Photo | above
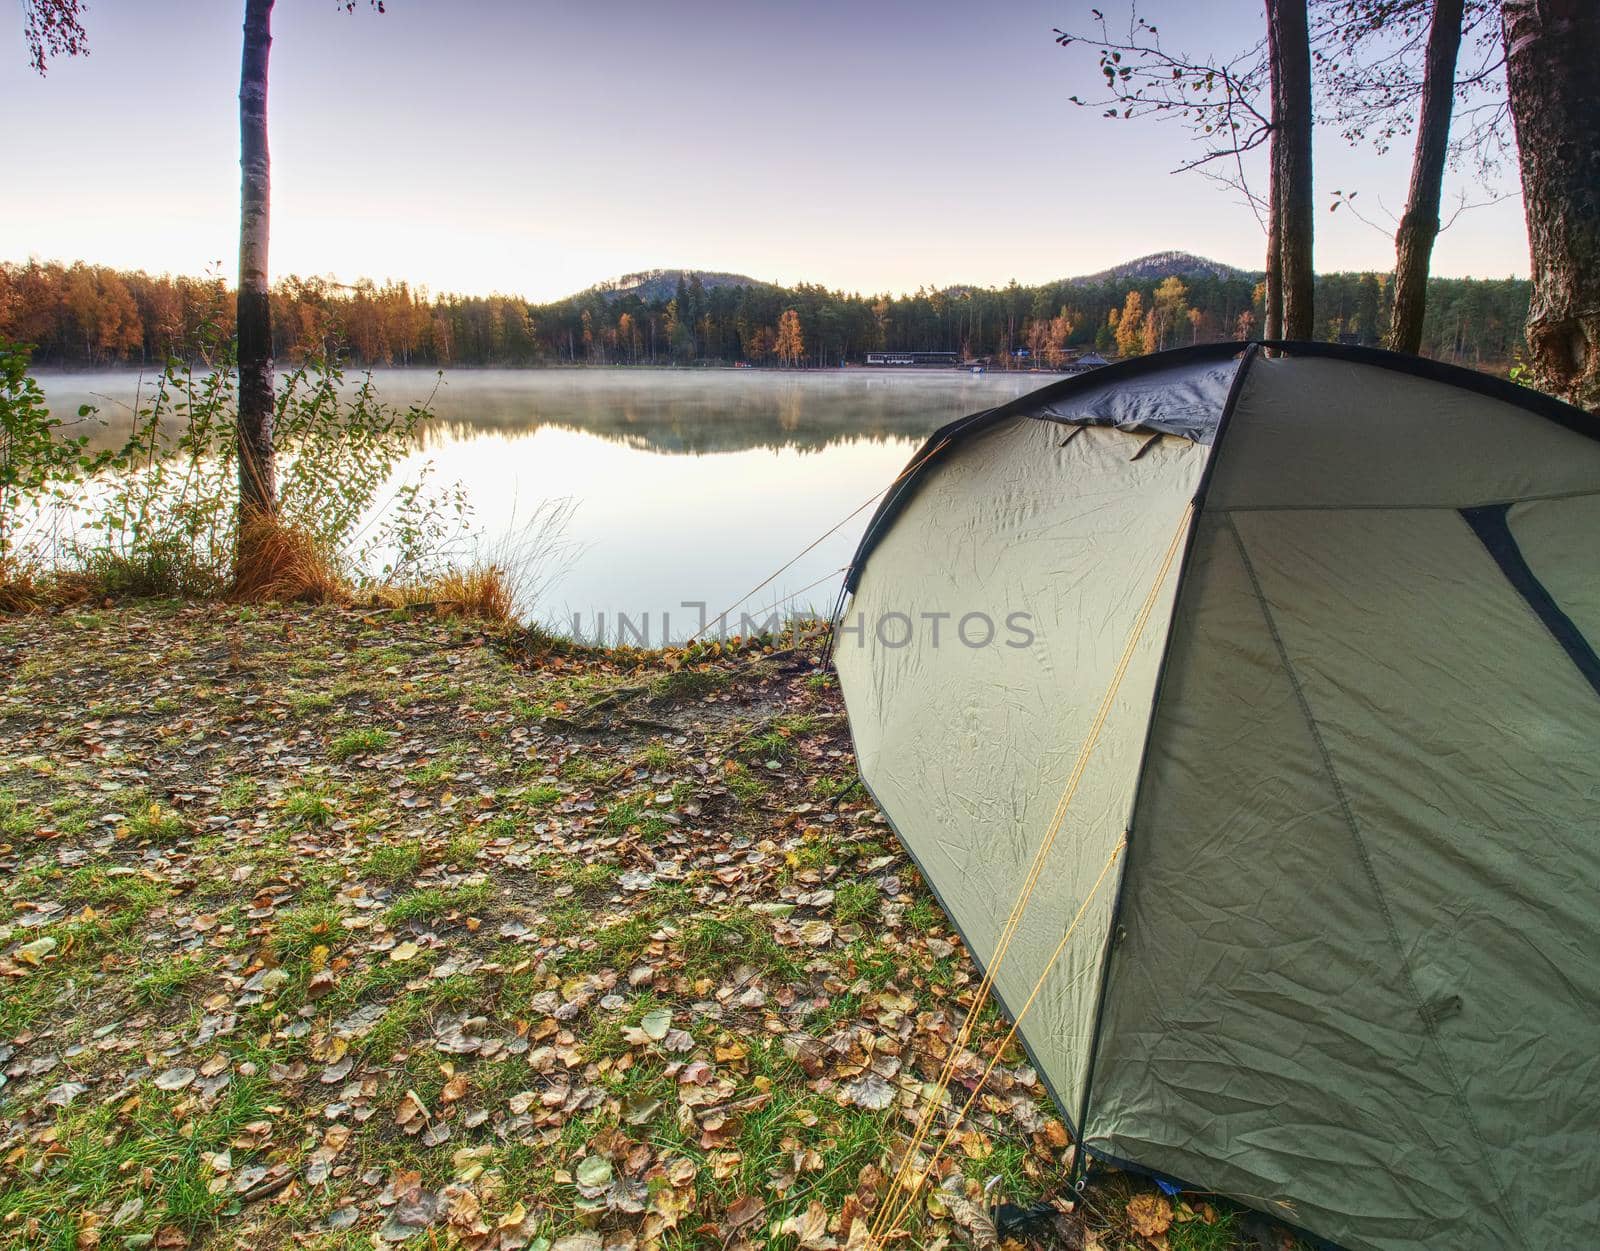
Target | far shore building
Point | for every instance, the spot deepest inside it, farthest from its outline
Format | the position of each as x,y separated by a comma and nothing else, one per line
913,358
1084,363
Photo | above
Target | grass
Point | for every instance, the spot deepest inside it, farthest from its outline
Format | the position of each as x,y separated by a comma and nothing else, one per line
855,901
635,815
432,772
836,788
354,743
431,902
479,592
140,1147
585,875
713,945
617,944
586,770
924,915
394,861
287,563
303,928
169,979
156,824
309,879
125,897
816,851
1198,1235
16,819
684,684
161,570
773,745
745,786
463,848
306,703
307,807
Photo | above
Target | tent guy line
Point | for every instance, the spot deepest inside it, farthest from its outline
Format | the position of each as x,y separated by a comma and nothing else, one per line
892,1223
1025,895
821,538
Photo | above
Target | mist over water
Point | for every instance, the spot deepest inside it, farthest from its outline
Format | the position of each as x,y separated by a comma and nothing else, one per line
684,486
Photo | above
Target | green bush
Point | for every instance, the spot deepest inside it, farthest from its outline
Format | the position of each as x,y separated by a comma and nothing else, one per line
40,461
168,524
159,515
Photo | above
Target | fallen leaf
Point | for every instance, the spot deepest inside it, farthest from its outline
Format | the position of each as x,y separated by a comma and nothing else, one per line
871,1092
816,933
810,1228
746,1210
593,1173
1150,1215
35,952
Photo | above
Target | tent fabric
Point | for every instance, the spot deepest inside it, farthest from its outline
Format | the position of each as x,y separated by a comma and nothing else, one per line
963,570
1323,433
1350,976
1185,401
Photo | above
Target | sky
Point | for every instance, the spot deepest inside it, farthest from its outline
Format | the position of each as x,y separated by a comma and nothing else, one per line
533,147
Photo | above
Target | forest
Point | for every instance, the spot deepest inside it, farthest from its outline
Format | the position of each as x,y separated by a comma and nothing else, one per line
88,315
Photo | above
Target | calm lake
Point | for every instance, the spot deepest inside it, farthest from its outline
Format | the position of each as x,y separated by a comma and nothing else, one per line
680,487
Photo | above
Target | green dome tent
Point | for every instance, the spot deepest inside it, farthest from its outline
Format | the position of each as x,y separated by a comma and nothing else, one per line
1346,964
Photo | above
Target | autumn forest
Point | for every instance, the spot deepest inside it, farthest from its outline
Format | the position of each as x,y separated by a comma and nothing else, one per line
88,315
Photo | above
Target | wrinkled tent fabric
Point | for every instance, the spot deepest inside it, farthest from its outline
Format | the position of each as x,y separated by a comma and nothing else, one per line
1348,972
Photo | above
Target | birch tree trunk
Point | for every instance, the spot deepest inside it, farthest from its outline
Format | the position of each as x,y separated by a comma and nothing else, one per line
1419,225
1553,86
1291,164
257,477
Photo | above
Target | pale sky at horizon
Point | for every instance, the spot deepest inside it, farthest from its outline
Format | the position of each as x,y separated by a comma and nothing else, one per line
535,148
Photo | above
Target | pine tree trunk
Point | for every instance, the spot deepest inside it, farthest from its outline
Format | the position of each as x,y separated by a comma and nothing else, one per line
1291,164
257,478
1553,86
1272,321
1419,225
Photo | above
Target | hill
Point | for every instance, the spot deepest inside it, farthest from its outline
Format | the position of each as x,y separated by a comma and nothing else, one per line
1161,265
660,285
652,285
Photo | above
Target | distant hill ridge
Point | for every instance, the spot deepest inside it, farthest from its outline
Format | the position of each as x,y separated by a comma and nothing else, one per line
651,285
1162,265
662,284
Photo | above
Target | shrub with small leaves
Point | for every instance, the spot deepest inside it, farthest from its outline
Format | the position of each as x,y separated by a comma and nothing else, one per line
40,460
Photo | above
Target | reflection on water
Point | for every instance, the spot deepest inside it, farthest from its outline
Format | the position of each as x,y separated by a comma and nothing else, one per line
699,412
686,486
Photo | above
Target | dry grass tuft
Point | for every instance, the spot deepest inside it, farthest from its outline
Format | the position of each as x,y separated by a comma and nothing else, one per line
481,592
20,589
286,563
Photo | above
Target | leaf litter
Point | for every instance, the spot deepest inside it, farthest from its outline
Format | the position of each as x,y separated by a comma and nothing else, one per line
334,927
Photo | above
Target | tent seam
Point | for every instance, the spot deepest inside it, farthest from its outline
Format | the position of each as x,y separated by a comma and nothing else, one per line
1241,375
1560,628
1429,1025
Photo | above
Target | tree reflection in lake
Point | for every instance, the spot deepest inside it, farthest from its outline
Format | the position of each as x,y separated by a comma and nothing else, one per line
687,486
